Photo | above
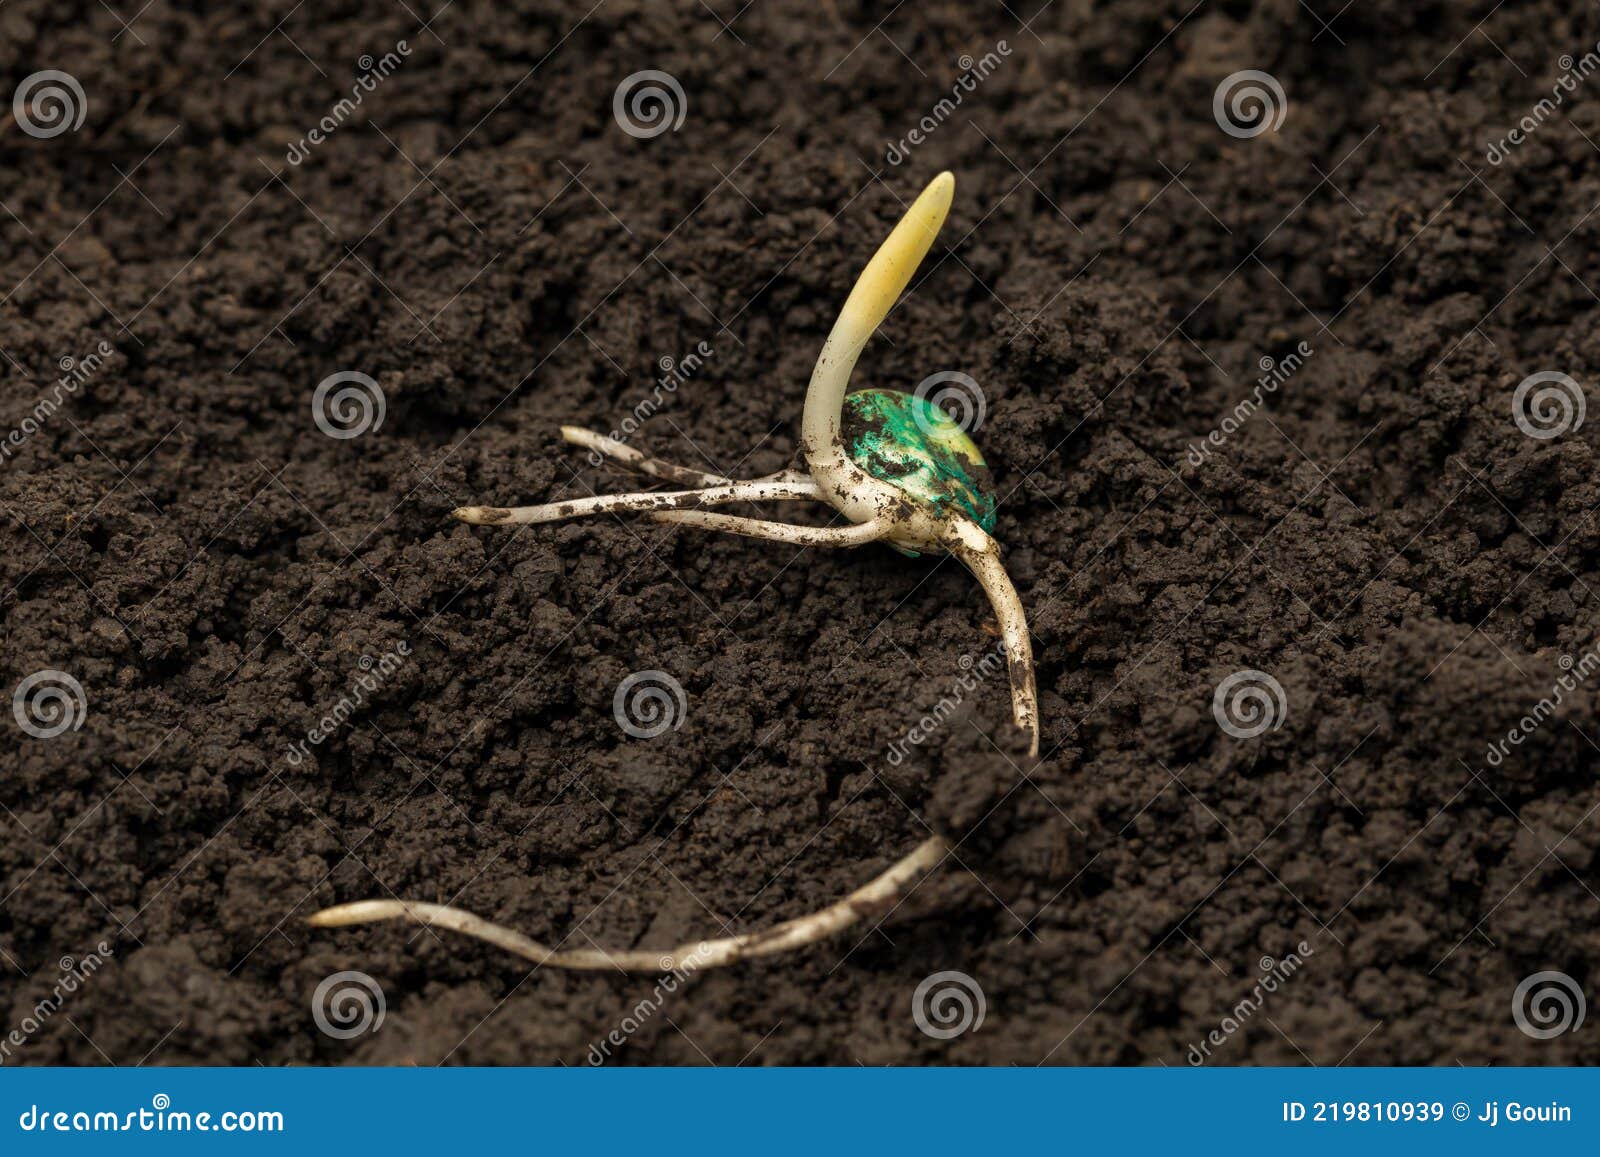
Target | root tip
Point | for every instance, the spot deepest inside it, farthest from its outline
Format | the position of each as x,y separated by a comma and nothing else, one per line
360,912
481,515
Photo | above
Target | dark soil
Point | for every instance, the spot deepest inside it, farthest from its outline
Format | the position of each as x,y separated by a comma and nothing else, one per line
485,242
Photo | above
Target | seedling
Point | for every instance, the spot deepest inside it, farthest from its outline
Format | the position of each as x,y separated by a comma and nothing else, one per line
907,475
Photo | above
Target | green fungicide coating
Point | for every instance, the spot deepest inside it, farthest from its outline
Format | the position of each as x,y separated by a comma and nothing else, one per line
915,445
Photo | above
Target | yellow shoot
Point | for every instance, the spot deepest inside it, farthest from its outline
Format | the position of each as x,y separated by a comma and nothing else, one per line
877,289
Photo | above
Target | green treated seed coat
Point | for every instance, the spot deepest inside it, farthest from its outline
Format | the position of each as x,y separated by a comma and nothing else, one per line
916,446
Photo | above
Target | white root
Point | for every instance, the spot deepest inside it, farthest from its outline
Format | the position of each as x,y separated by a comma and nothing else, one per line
633,459
981,554
854,534
878,896
645,500
626,456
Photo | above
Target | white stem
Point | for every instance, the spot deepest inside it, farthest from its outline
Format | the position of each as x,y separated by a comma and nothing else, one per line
877,896
854,534
663,500
981,554
875,292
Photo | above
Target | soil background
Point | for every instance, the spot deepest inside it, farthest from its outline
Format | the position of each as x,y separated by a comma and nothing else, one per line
484,241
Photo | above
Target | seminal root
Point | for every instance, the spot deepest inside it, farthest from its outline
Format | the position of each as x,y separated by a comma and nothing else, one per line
881,894
719,495
924,503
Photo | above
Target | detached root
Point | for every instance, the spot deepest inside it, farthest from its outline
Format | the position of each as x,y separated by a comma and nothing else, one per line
877,896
